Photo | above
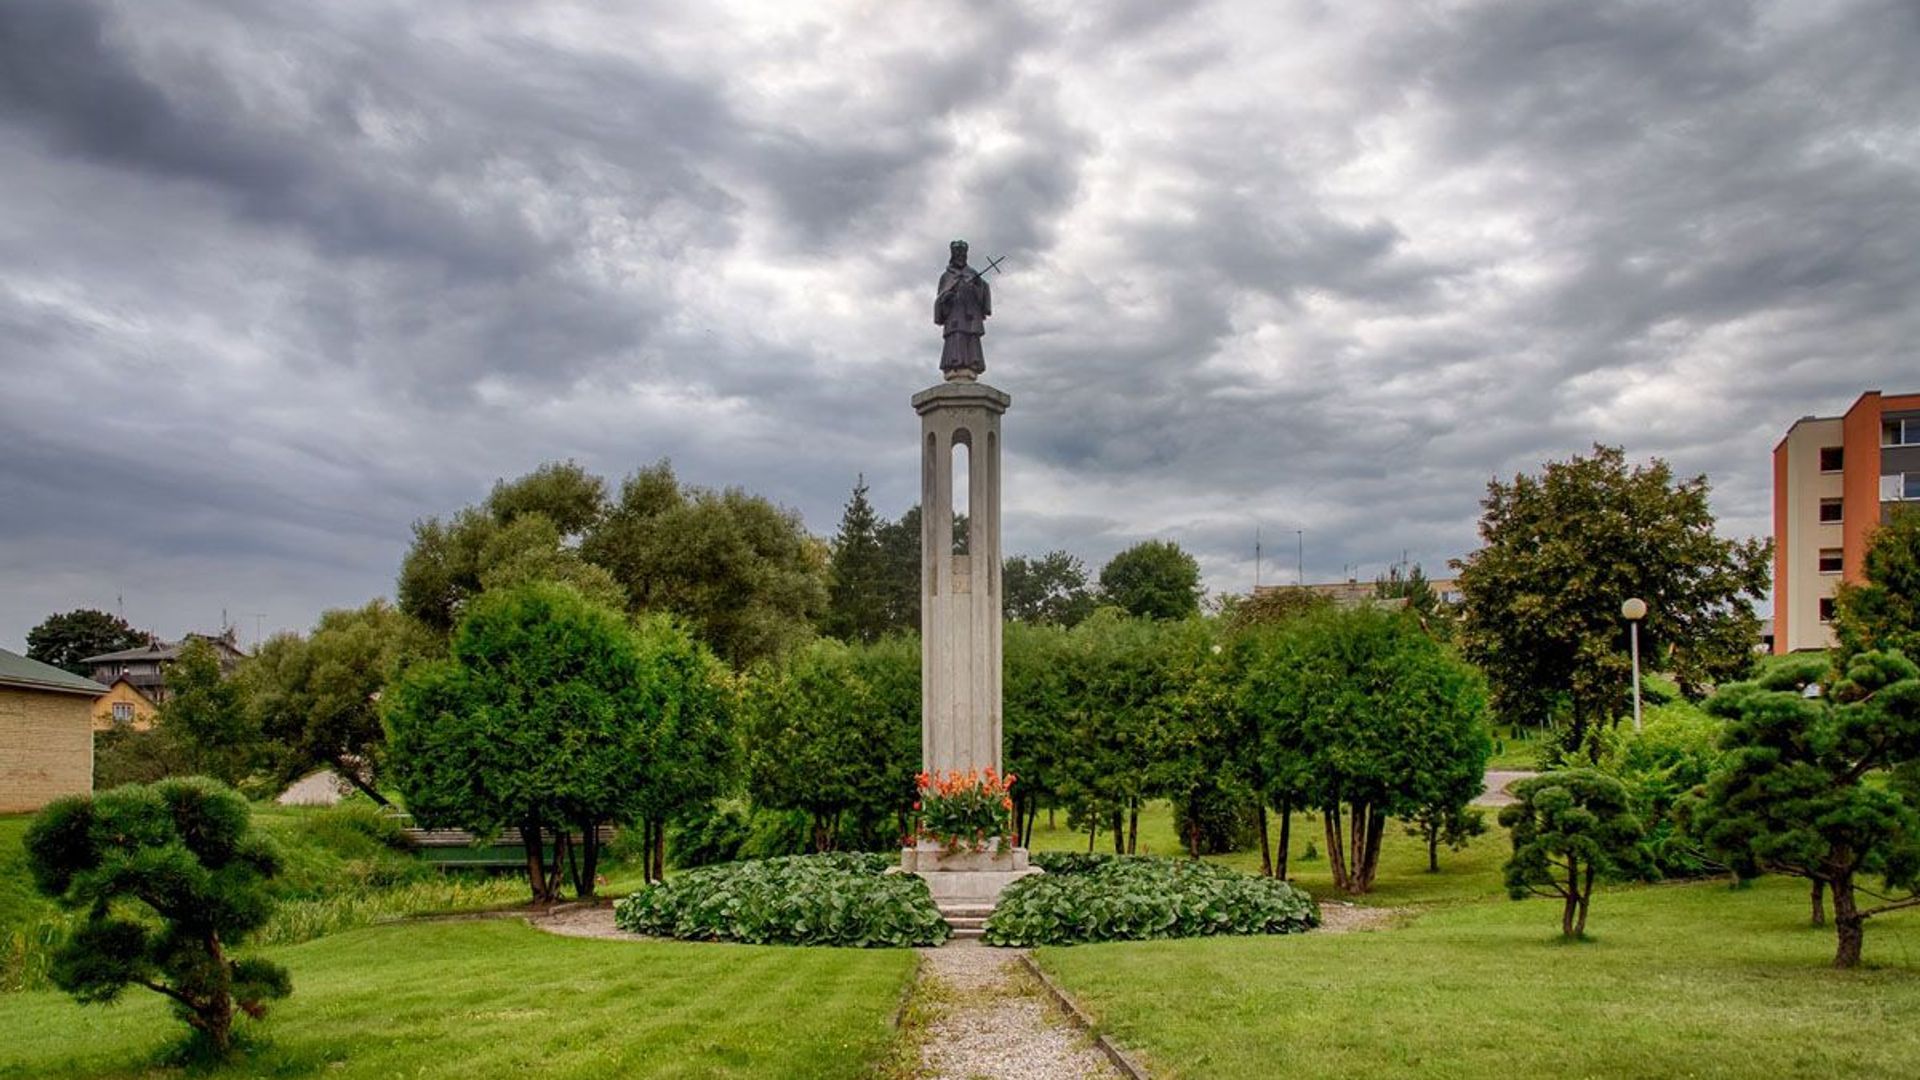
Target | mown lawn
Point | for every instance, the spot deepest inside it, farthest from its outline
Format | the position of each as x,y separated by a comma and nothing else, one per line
1682,980
497,998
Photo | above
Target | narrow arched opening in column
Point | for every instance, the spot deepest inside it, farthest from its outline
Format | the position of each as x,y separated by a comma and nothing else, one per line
962,488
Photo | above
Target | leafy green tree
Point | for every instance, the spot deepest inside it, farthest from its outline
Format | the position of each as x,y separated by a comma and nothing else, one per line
452,561
171,878
1051,588
1882,610
1154,579
692,748
741,573
856,600
1563,549
1570,829
566,495
67,638
316,699
546,716
1823,787
206,717
1118,691
899,580
1035,717
1355,712
821,739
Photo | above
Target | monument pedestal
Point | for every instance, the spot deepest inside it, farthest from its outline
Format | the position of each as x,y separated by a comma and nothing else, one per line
966,878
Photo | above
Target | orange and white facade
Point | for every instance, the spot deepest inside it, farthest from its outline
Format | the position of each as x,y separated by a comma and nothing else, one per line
1835,478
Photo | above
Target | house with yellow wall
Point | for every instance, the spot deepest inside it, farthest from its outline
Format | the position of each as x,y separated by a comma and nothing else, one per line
123,705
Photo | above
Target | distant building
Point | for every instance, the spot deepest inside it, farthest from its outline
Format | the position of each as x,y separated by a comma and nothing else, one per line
124,705
46,733
143,671
1353,592
1836,478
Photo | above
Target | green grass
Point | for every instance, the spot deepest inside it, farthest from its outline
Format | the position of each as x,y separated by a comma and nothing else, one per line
497,998
1681,980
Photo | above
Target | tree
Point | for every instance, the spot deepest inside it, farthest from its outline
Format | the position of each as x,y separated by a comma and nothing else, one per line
1118,682
1824,787
544,717
1035,717
822,740
566,495
1570,828
1356,711
452,561
1154,579
856,601
171,877
692,750
1563,549
316,699
65,639
206,717
1882,611
1051,588
741,573
1413,586
899,580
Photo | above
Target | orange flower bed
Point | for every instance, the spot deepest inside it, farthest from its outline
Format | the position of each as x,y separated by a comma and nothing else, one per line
965,811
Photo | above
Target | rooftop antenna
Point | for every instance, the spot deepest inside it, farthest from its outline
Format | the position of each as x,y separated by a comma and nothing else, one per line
1256,558
257,617
1300,567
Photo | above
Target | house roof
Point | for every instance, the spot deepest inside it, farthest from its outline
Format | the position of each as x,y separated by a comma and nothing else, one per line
17,670
162,650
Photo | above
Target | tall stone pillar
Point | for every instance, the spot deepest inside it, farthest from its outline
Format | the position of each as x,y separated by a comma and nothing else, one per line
960,595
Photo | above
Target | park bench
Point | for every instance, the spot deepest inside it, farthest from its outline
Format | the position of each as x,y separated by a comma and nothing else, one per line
460,849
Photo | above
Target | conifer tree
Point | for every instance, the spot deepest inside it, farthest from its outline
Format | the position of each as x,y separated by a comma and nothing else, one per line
856,604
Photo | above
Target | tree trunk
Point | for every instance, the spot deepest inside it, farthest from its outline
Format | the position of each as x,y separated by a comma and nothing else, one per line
1266,848
1119,823
821,832
1357,823
1586,901
1819,902
563,855
214,1014
1093,831
353,776
589,859
1336,846
1033,812
660,850
1286,838
1133,829
536,862
1433,846
1847,922
1370,853
1572,906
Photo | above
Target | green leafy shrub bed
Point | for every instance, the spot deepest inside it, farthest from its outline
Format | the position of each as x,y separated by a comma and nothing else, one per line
1083,898
841,899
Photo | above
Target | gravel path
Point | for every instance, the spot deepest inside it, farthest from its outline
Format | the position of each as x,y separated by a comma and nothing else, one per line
992,1019
1497,781
590,922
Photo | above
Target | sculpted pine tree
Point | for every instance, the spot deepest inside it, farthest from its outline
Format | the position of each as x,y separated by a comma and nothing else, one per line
1563,549
1822,787
1571,829
170,878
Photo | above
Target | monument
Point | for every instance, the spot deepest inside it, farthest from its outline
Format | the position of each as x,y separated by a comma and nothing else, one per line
961,607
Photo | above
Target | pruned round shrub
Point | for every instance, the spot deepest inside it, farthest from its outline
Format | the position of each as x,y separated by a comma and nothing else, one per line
837,899
1086,898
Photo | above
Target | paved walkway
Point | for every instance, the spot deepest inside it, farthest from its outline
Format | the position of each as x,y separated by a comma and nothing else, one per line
992,1019
1497,781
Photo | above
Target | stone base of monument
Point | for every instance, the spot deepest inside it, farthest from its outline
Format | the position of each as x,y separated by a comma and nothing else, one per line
966,884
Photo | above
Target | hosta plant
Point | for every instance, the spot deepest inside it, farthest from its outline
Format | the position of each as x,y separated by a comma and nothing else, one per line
838,899
1133,898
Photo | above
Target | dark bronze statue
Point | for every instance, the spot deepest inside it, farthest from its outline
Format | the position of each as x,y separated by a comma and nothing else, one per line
961,308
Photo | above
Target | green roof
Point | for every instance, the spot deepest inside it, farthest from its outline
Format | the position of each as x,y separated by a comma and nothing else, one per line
17,670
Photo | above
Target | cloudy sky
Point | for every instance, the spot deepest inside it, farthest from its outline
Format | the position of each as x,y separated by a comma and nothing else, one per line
278,279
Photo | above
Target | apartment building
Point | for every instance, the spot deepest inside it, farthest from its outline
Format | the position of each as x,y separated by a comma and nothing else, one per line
1834,479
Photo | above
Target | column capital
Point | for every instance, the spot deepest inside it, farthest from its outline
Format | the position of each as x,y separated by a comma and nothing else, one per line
960,394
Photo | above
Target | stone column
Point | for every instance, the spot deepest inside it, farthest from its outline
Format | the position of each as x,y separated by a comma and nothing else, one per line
960,598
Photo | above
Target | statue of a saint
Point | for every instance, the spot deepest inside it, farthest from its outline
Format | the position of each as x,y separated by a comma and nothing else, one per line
961,308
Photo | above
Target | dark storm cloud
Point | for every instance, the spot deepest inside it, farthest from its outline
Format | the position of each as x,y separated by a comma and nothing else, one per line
274,282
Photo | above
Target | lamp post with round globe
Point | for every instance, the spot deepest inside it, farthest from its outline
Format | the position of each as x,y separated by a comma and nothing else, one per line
1634,610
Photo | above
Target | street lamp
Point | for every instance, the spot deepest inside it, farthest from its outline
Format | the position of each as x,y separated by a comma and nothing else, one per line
1634,610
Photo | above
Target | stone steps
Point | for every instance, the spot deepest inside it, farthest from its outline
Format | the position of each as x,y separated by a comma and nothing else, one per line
969,921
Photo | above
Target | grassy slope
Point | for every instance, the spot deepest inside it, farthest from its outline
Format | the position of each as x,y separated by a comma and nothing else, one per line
496,998
1683,980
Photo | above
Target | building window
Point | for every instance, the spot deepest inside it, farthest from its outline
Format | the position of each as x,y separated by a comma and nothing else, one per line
1900,487
1831,458
1830,560
1829,511
1900,433
123,712
1826,609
